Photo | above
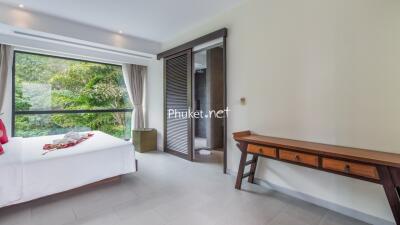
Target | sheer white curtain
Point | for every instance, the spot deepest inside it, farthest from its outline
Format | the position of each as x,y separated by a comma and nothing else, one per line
134,80
6,58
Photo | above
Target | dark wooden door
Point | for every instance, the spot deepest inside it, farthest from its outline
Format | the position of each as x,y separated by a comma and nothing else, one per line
177,101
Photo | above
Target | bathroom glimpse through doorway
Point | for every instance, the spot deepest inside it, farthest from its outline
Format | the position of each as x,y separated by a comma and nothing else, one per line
208,100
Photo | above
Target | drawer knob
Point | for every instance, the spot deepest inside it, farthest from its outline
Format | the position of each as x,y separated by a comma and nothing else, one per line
260,150
347,168
297,157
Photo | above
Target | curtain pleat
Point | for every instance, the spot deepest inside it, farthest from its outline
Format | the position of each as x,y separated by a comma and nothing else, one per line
134,80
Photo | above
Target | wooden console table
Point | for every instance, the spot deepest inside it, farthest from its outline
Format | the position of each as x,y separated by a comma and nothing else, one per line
373,166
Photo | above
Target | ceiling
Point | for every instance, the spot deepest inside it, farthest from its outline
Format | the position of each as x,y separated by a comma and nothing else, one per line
157,20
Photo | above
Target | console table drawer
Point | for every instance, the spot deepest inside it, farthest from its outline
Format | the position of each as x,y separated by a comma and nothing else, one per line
307,159
262,150
350,168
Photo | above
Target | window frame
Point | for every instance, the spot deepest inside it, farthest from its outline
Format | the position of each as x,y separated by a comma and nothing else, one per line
14,112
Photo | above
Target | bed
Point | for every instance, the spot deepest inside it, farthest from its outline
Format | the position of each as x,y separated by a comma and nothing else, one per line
11,172
26,174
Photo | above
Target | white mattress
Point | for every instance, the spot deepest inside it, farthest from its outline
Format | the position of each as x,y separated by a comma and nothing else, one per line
11,172
101,156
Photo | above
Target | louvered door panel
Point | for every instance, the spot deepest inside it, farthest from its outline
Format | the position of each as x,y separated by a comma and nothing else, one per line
178,98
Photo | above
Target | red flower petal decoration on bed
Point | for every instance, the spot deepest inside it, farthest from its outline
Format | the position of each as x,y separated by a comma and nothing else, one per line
52,147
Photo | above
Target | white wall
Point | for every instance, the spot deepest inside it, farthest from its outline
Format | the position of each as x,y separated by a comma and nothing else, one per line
155,100
318,70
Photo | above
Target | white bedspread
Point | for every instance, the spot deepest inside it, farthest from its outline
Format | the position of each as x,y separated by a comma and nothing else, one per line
11,172
101,156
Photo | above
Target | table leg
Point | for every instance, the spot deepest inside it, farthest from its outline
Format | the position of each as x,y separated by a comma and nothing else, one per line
391,190
253,169
242,164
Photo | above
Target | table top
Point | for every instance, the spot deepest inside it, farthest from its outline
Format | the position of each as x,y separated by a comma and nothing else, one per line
363,155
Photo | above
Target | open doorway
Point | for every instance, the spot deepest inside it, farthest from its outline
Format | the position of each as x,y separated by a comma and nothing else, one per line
181,64
208,100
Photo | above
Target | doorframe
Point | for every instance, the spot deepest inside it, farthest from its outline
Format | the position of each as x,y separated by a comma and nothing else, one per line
221,33
191,44
224,68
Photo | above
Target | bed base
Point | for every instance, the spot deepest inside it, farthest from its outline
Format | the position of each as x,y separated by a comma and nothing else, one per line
111,180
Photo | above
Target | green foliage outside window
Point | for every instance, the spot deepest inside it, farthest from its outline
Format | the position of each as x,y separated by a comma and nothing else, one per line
44,83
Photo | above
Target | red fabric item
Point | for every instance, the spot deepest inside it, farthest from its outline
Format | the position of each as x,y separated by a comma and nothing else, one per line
51,147
3,133
1,149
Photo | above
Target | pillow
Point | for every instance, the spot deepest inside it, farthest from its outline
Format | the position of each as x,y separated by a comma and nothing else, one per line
3,133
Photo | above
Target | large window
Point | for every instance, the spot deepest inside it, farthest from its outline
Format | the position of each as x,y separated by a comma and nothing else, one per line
54,95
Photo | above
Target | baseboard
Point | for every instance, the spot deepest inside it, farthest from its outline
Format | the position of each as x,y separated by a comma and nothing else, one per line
322,203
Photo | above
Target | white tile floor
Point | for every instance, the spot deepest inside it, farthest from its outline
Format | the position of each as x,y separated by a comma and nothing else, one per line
171,191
